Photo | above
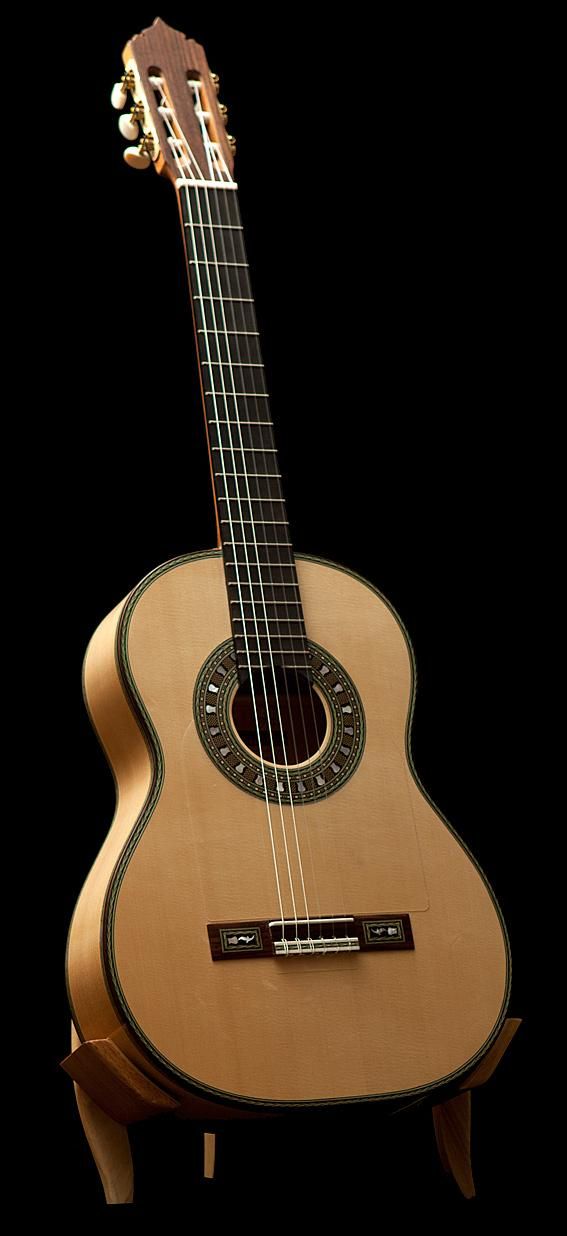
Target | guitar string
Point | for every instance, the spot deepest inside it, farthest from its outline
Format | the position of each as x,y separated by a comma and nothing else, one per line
260,584
234,206
269,501
229,513
182,171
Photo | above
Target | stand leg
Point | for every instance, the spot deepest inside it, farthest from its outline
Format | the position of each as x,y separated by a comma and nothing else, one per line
452,1124
109,1143
209,1155
452,1119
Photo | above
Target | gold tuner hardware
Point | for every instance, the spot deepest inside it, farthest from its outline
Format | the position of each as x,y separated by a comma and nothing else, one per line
216,81
140,156
129,123
120,90
232,142
223,109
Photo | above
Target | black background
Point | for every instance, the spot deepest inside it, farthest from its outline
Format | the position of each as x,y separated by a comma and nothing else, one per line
384,194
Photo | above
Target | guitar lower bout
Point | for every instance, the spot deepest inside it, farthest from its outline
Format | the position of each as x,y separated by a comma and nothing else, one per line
373,960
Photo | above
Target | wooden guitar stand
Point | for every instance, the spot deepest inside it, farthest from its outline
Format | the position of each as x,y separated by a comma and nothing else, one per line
124,1095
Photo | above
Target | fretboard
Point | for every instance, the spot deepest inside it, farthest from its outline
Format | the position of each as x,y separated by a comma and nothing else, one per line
263,592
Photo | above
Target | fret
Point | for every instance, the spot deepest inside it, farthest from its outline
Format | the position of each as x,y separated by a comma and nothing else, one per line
227,440
249,299
268,638
216,262
240,364
257,566
229,227
253,474
259,432
201,331
265,489
247,583
225,382
236,313
290,601
236,618
286,543
251,521
259,555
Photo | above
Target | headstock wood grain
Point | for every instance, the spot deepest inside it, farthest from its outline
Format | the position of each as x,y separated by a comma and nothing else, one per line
175,106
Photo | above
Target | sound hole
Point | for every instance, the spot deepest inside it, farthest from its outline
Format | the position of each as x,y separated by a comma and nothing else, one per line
283,720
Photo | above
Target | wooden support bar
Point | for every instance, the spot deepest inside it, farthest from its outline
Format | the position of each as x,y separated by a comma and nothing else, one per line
115,1084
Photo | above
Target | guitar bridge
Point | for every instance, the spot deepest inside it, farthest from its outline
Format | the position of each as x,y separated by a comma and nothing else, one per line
307,937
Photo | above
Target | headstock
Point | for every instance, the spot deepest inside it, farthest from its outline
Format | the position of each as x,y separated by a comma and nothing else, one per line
174,112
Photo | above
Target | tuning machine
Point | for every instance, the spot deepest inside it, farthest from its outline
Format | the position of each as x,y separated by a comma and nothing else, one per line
129,123
140,156
119,93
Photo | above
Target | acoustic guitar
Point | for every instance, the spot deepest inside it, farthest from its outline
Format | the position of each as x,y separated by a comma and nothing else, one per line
279,918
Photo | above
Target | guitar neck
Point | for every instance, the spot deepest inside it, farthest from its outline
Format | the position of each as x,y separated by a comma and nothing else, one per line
263,592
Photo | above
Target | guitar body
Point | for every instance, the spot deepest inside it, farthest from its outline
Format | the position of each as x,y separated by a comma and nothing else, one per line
189,847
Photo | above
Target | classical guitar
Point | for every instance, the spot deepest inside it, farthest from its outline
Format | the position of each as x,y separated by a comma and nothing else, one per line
279,917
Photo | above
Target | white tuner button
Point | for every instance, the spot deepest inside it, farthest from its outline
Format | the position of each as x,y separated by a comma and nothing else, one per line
118,96
128,127
135,157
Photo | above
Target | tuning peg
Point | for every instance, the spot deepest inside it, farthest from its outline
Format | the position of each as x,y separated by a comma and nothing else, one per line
119,93
223,109
140,156
216,81
128,128
129,124
232,142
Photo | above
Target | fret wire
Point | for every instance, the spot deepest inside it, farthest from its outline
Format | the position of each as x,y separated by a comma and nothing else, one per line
274,619
251,601
248,300
257,565
258,583
229,227
205,262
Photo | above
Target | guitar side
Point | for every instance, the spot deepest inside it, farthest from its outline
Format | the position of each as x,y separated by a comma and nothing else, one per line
187,847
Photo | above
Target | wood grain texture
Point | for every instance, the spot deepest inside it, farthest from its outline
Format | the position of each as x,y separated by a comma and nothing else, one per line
277,1032
109,1144
175,56
119,1088
452,1124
